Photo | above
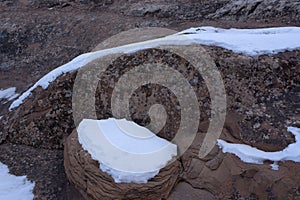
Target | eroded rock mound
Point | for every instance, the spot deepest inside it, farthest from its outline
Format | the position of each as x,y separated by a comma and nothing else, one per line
263,91
85,174
227,177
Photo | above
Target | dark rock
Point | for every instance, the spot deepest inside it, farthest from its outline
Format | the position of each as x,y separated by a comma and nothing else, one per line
263,10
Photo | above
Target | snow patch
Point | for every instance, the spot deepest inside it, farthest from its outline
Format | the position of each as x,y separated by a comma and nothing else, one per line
126,177
14,187
251,42
275,166
250,154
126,157
8,94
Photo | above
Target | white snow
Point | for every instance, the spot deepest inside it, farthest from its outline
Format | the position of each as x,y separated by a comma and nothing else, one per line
126,157
14,187
247,41
250,154
275,166
8,94
127,177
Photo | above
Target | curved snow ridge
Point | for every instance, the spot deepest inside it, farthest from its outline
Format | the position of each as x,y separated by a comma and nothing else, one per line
14,187
251,42
84,59
250,154
125,157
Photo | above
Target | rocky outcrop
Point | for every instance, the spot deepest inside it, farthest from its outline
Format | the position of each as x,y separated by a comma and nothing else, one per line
44,119
262,98
85,174
263,10
178,9
227,177
263,91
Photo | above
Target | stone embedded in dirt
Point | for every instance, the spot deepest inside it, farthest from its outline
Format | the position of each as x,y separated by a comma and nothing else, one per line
85,174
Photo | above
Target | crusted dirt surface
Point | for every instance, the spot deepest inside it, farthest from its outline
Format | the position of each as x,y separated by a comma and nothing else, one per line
263,92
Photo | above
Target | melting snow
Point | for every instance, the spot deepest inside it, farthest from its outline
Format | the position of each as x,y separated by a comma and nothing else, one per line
250,154
14,187
247,41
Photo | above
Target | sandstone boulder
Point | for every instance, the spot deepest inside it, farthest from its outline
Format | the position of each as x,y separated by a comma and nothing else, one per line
85,174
